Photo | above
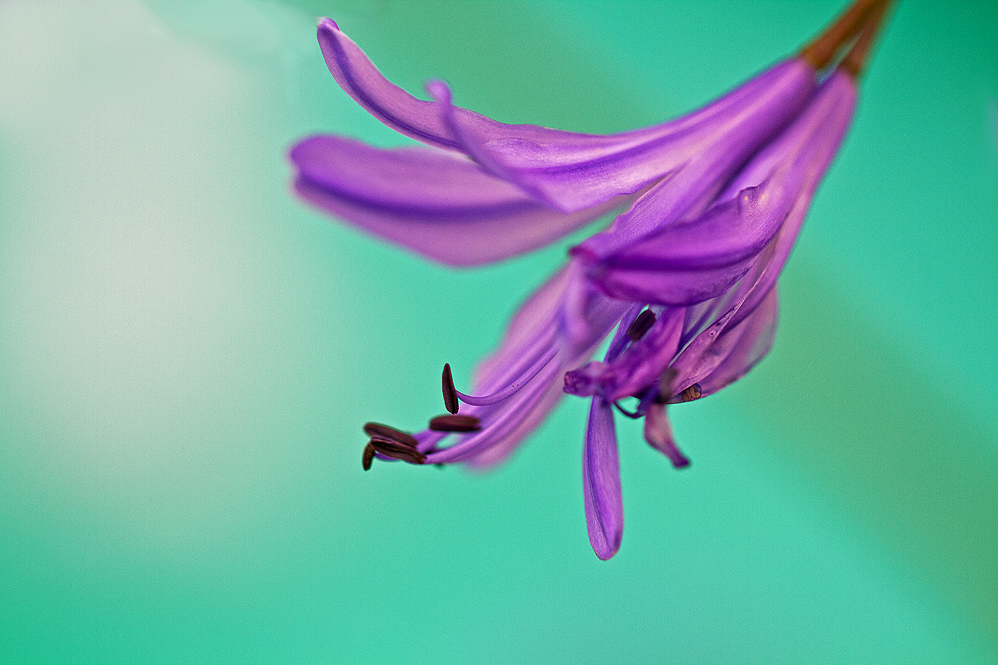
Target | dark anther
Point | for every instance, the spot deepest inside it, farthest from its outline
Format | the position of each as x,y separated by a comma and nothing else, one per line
641,325
665,386
397,450
450,393
692,393
455,424
390,433
368,456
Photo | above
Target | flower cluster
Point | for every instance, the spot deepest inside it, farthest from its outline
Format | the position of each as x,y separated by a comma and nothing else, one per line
686,275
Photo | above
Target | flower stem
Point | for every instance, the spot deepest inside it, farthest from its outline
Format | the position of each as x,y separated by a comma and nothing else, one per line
855,60
823,48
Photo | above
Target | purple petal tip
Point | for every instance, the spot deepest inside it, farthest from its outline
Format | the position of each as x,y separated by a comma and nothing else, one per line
329,24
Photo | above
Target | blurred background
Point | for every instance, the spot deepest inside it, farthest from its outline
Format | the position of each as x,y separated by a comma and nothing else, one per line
187,355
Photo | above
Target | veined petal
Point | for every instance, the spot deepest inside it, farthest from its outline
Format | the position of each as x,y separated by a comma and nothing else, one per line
439,204
601,481
573,171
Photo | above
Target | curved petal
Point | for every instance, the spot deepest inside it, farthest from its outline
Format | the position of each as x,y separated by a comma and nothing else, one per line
387,102
573,171
601,481
694,261
533,315
436,203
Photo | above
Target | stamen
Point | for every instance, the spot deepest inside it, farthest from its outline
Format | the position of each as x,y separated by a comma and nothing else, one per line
505,393
399,451
455,424
633,415
691,393
450,393
506,418
368,456
641,325
390,434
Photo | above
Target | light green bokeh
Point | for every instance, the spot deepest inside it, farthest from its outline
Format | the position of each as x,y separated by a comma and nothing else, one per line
186,355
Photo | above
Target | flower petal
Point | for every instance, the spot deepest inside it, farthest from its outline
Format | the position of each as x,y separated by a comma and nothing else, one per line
437,203
694,261
658,433
601,481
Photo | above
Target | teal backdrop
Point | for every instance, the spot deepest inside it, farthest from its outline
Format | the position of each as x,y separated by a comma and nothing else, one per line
187,355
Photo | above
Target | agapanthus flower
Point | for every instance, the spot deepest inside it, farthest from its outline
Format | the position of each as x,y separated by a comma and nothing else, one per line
711,203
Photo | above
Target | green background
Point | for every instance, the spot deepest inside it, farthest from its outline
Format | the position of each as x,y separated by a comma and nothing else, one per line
187,355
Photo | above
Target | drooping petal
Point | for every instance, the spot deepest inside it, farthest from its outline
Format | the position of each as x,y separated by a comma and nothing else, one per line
693,261
601,481
538,311
658,434
439,204
573,171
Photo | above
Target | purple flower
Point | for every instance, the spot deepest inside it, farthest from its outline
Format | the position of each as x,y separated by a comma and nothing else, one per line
686,274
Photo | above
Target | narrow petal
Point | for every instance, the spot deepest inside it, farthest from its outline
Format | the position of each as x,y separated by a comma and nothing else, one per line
658,434
601,481
436,203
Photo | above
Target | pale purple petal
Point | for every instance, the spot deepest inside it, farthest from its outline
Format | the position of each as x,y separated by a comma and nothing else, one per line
439,204
601,481
658,433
